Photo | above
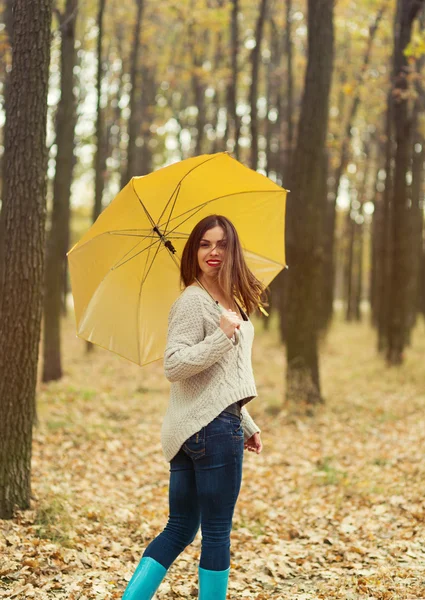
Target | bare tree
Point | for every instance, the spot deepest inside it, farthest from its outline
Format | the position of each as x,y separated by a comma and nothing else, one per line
253,92
8,21
100,155
330,223
305,207
232,114
58,237
403,119
133,128
21,300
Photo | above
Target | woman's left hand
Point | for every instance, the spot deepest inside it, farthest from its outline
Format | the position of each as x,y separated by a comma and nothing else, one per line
254,444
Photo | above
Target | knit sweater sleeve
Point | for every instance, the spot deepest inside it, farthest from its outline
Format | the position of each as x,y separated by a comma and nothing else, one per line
188,350
248,424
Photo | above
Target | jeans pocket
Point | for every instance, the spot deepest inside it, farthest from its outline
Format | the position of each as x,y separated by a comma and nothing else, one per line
194,446
237,428
233,420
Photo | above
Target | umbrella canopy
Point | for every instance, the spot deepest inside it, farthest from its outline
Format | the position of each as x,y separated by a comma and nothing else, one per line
125,270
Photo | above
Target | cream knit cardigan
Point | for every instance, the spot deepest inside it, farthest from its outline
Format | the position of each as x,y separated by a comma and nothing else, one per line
207,370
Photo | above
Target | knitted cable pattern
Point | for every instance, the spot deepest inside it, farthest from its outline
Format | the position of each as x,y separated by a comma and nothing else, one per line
206,369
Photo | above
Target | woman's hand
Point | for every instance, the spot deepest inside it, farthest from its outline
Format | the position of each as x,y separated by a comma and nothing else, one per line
229,321
254,443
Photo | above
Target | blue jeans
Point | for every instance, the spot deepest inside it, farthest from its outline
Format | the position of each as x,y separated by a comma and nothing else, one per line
205,479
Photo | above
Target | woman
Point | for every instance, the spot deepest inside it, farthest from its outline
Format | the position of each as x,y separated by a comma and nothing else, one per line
206,426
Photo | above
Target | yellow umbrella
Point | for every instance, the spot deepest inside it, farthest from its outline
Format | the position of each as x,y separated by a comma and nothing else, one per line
125,270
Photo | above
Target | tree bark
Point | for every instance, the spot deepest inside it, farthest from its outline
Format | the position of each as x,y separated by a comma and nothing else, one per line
416,226
422,281
304,214
417,194
407,10
356,273
253,93
350,234
58,237
25,211
100,156
8,21
384,254
279,286
147,114
233,86
133,129
358,290
286,158
376,243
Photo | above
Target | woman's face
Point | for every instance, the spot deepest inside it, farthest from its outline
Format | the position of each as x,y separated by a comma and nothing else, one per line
211,251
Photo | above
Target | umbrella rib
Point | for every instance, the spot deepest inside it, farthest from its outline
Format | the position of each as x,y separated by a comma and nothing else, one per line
192,211
112,232
184,177
140,294
132,232
134,255
172,208
154,227
138,304
142,205
180,236
175,194
266,258
122,232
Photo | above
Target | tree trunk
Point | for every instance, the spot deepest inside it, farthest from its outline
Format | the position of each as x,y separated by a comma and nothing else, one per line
416,226
100,155
384,254
24,230
359,224
147,113
253,93
417,197
8,21
329,269
358,290
375,246
57,244
304,214
422,281
350,233
233,86
286,141
401,273
218,144
289,117
199,96
133,125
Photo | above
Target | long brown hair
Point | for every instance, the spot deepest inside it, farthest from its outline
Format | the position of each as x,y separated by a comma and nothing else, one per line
234,277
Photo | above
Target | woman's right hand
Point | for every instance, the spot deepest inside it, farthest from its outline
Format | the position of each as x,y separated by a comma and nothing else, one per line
229,321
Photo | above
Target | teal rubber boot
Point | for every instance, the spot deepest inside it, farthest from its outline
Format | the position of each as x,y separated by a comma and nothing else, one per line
213,584
146,579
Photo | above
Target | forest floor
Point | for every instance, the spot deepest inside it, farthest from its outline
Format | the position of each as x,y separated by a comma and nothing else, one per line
333,507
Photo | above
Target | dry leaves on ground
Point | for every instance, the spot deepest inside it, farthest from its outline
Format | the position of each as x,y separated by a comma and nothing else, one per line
333,507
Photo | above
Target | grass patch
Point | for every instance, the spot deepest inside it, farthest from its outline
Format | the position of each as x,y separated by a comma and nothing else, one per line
57,425
329,474
53,521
